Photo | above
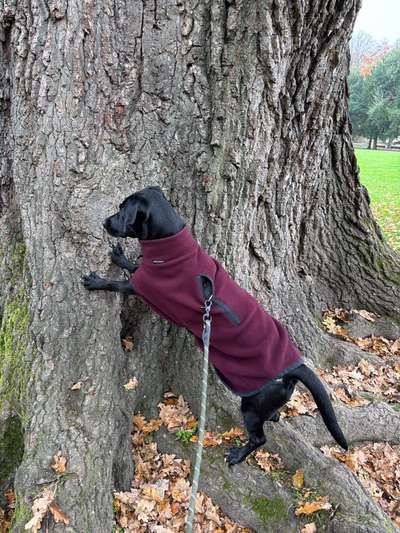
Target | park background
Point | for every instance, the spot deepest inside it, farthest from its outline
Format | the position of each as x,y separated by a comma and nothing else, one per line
374,86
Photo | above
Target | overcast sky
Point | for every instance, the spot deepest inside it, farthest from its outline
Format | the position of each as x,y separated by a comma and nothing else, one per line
380,18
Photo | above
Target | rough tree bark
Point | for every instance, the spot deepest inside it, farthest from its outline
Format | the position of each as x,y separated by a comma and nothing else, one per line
238,109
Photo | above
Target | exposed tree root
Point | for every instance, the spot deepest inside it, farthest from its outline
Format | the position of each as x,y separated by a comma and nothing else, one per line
237,489
374,422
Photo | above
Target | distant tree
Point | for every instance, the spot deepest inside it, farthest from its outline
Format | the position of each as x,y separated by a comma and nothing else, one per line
365,51
378,122
384,113
362,44
375,96
358,103
386,74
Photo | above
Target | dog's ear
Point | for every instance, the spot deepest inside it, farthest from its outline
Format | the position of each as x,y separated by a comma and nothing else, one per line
158,189
132,207
144,217
139,215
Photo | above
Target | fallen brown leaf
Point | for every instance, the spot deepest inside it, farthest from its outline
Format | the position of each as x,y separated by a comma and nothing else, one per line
268,461
146,427
366,314
58,515
39,508
132,384
312,507
232,434
59,463
309,528
298,479
127,344
395,348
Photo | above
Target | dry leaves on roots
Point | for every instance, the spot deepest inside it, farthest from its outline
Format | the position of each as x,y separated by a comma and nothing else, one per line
176,416
377,466
351,384
143,427
175,413
307,508
233,436
268,461
334,321
348,382
160,491
301,403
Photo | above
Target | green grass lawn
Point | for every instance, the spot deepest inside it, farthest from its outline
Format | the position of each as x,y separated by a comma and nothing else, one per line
380,173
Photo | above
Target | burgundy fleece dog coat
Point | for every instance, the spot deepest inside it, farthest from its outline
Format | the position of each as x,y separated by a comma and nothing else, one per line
248,347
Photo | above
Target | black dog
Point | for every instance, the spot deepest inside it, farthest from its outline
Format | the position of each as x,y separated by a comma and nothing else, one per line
148,216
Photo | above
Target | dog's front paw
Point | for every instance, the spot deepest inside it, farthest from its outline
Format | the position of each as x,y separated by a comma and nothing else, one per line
117,254
235,455
92,282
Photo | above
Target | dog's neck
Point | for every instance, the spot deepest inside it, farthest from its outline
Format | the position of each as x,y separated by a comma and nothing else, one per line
177,246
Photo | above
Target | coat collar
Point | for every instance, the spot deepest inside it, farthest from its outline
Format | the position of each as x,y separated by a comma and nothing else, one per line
178,246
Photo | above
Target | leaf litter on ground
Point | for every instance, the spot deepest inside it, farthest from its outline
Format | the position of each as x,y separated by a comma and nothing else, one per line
335,320
166,494
377,466
159,497
160,493
355,384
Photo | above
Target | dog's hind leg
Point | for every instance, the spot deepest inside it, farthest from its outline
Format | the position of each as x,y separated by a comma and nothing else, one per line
258,408
254,426
275,417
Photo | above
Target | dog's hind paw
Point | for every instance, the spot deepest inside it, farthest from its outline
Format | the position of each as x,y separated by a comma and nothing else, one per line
235,455
275,417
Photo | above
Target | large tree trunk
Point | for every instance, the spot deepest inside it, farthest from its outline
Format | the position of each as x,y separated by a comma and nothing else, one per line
239,111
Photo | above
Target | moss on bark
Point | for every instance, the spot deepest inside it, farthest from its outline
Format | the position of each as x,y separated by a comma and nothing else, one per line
13,343
14,371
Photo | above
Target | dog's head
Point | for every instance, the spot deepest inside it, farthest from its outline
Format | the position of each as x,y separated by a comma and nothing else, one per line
144,215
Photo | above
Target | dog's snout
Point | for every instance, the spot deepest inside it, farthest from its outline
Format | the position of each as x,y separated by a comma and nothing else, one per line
112,226
107,225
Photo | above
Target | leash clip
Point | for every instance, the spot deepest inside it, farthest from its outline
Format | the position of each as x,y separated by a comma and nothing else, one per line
207,308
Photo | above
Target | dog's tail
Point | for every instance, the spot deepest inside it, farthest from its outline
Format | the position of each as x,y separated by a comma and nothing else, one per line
317,389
